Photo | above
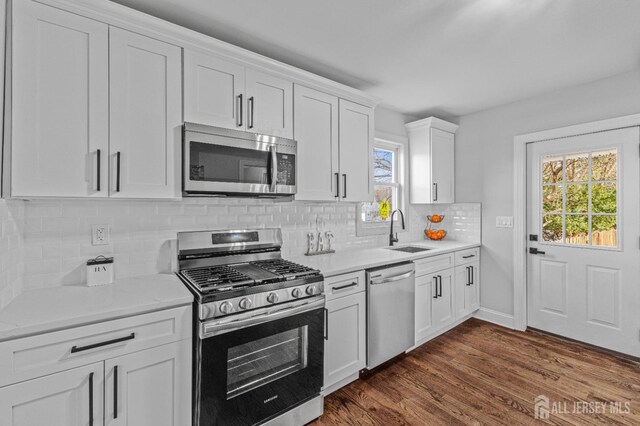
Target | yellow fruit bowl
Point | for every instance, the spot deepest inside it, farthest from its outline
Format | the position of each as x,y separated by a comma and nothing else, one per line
436,218
435,234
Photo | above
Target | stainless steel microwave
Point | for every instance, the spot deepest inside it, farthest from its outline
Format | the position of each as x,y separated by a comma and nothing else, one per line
225,162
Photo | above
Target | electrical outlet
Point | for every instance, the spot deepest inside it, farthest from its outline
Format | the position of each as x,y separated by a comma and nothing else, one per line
504,221
99,235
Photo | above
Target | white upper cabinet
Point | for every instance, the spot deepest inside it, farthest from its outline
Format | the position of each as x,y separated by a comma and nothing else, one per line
225,94
432,171
60,101
356,151
269,104
213,91
146,117
316,130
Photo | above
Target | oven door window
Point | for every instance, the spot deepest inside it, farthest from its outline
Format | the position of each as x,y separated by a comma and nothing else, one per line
221,163
262,361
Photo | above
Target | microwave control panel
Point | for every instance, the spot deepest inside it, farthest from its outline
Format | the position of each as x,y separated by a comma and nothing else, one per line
286,169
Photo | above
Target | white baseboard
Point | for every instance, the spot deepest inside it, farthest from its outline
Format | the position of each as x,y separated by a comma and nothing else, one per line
495,317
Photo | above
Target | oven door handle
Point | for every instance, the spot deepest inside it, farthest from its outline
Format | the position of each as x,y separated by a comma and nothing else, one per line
217,328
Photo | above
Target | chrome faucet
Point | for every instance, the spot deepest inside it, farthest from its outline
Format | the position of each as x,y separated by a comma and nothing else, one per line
393,239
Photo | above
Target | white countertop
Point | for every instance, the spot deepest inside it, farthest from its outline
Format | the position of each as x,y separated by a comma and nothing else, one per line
358,259
49,309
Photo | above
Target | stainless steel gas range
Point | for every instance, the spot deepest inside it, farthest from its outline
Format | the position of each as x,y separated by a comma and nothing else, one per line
258,332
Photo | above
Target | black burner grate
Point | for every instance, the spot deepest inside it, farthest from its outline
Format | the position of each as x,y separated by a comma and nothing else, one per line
285,268
217,277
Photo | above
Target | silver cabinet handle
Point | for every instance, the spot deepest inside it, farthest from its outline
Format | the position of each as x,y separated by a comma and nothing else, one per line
274,168
392,279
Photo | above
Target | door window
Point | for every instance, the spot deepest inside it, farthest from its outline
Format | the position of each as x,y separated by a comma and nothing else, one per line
580,198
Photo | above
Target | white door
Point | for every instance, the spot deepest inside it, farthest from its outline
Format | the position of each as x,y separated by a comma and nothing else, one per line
213,91
442,309
146,116
584,211
69,398
60,103
345,348
356,151
269,104
316,131
424,296
150,388
442,166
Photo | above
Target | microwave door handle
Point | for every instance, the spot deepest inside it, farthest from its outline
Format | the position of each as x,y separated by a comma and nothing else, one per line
274,168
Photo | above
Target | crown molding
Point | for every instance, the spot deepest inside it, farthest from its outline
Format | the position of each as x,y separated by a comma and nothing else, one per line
129,19
432,122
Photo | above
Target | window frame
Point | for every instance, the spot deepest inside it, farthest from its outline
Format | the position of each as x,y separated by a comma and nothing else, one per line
398,147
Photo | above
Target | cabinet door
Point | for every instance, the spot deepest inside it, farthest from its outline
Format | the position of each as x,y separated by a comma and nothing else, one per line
316,130
345,349
60,103
461,280
424,296
356,146
442,166
269,104
213,91
150,388
472,291
146,116
69,398
442,307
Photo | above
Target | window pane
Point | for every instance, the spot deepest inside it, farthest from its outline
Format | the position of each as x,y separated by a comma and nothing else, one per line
578,198
604,165
577,229
604,231
604,198
552,198
552,228
382,193
383,165
577,166
552,169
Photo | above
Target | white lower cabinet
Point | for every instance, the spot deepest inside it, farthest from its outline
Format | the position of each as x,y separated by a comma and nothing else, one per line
345,350
132,371
70,398
140,387
447,291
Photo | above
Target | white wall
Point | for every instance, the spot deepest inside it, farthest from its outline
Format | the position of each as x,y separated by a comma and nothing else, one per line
484,162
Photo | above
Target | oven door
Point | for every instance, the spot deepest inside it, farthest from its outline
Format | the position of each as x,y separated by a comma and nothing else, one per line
233,162
247,375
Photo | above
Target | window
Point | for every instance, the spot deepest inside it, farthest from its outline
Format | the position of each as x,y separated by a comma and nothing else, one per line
386,185
579,199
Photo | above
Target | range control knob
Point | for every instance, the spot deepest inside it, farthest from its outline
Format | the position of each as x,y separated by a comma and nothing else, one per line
296,293
245,303
226,307
272,298
311,290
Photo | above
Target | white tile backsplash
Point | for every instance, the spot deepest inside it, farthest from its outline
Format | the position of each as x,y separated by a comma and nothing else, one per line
11,251
55,241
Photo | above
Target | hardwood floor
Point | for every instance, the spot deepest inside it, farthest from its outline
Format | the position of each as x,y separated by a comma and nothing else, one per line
480,373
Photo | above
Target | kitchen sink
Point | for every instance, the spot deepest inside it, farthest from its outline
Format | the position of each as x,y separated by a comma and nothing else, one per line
409,249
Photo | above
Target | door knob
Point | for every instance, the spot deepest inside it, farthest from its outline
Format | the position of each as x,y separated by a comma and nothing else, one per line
533,250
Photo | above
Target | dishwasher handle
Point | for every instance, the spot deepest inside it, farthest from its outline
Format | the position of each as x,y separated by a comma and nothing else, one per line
392,278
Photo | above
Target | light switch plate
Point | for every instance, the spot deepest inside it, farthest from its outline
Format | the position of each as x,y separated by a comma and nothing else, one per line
504,221
100,235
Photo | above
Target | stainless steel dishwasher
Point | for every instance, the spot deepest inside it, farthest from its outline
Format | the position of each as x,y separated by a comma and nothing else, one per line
390,312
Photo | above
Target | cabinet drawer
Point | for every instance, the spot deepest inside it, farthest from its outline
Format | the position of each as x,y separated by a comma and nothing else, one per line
433,264
35,356
467,256
345,284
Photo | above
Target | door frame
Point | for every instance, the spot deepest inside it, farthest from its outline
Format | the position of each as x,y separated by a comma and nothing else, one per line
520,199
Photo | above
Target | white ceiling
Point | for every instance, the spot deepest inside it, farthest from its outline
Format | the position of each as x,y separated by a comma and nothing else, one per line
423,57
